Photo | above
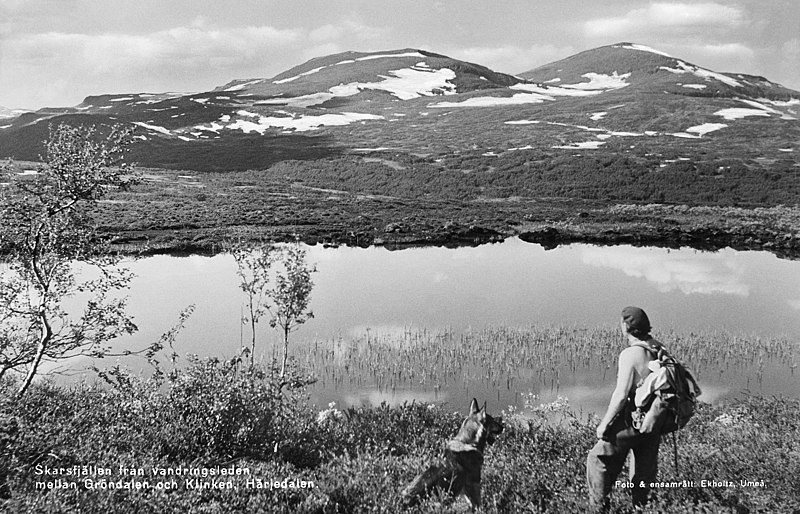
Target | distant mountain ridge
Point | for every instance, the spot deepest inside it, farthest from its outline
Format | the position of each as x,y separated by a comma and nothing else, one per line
651,68
431,73
415,101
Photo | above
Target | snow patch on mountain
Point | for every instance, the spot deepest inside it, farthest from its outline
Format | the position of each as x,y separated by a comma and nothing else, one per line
781,103
694,132
601,81
585,145
154,128
705,128
643,48
404,84
260,124
350,61
411,83
757,109
551,91
384,56
305,73
701,72
737,113
536,93
239,87
495,101
698,131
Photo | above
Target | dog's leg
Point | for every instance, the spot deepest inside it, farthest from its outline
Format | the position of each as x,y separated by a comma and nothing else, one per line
436,476
472,491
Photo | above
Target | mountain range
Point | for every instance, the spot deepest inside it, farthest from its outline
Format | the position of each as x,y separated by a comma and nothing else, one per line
619,98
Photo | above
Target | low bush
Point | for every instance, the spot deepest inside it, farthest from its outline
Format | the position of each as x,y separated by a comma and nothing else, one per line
293,458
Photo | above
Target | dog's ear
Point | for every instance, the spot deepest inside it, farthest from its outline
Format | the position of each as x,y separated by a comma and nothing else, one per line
473,407
484,406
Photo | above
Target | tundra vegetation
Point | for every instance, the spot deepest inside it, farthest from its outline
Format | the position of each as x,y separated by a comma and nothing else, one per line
395,199
85,447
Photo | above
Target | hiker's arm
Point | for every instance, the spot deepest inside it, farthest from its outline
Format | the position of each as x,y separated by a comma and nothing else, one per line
625,375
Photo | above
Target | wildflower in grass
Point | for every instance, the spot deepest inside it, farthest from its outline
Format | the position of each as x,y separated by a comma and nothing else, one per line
725,419
561,404
330,415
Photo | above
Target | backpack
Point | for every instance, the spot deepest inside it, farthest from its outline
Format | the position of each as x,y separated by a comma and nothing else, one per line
667,401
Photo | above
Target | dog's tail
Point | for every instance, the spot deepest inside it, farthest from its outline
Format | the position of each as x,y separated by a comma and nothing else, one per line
436,476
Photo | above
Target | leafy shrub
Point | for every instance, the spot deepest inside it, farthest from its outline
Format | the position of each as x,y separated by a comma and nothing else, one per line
216,412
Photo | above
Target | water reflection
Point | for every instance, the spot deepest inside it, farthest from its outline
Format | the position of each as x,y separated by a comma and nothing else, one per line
689,273
372,292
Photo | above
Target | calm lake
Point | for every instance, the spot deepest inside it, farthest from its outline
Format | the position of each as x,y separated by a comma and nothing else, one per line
378,294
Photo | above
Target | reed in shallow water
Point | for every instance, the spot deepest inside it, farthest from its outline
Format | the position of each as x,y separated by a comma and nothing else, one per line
524,358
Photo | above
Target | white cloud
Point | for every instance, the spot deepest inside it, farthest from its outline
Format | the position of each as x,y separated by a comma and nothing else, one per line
725,51
668,17
105,63
348,29
689,274
708,33
326,32
789,54
791,49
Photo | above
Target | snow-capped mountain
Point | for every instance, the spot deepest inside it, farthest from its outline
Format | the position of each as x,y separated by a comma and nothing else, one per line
403,74
413,101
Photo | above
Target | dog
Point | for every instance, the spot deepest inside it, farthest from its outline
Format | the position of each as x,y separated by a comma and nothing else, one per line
460,473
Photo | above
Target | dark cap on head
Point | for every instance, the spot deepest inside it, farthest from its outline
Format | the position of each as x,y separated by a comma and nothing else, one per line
636,321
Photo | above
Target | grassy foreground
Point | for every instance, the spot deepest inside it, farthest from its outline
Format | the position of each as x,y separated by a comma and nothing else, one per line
187,434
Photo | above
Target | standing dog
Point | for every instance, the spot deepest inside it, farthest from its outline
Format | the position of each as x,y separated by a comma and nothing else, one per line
460,473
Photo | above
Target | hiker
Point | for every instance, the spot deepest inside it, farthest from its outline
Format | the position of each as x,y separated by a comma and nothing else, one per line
615,433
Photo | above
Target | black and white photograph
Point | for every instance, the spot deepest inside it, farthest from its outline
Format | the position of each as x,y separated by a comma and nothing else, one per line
369,256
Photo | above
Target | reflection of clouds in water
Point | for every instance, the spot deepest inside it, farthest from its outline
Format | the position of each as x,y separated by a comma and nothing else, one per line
594,399
392,398
703,273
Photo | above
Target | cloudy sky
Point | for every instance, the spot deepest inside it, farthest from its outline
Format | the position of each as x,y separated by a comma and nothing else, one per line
56,52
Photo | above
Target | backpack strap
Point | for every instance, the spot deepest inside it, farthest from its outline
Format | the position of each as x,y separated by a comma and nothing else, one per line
690,378
655,351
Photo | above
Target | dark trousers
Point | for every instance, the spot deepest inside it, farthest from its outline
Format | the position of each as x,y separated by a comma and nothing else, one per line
604,464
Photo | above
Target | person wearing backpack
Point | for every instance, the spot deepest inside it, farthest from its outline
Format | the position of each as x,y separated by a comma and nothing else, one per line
616,434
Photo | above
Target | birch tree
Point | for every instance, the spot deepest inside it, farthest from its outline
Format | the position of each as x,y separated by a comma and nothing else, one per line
47,233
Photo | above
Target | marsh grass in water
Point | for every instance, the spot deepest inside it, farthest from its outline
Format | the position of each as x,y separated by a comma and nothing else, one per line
740,455
523,359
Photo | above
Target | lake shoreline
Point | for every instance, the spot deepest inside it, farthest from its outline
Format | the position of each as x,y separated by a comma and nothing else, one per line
548,224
